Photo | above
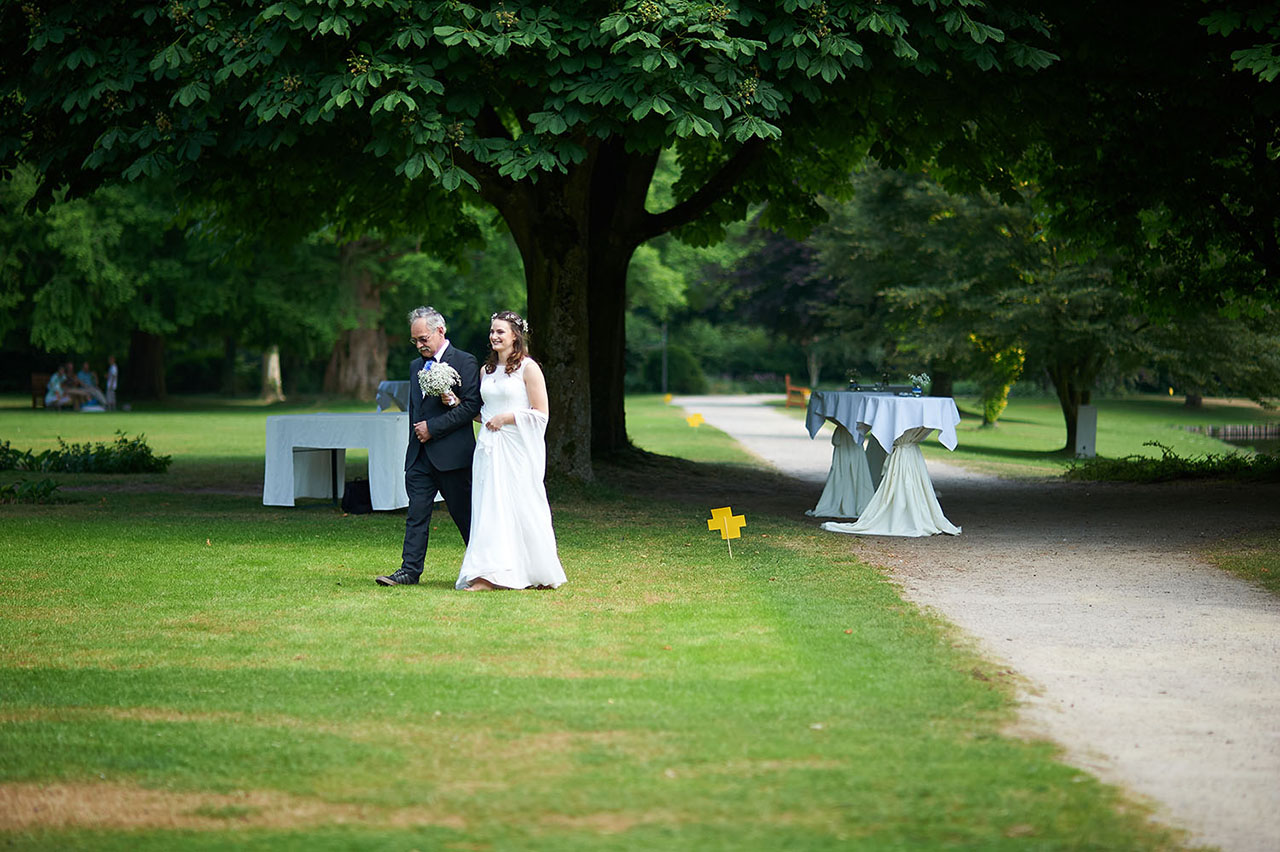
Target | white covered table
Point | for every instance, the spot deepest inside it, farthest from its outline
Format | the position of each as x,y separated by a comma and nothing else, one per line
892,496
306,456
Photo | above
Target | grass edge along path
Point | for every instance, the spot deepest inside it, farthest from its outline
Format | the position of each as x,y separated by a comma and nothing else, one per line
1028,439
1255,558
198,671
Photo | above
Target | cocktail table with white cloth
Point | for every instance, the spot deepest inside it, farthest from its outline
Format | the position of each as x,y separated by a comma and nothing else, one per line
897,497
306,456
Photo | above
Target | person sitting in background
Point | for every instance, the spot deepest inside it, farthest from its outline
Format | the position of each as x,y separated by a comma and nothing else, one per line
55,392
88,382
71,385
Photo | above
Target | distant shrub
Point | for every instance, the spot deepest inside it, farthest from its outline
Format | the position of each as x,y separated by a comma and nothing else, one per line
684,373
126,455
1262,467
29,492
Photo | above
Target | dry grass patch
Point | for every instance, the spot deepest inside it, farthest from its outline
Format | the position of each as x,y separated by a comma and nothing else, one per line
607,822
434,728
757,768
490,664
28,806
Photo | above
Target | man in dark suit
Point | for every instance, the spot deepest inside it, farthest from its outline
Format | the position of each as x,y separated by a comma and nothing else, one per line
441,443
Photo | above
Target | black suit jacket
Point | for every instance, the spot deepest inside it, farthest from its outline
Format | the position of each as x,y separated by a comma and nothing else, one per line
453,441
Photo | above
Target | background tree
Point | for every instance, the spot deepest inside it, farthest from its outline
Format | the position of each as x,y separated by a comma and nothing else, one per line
1154,137
554,115
779,285
931,265
466,288
971,285
1206,354
111,272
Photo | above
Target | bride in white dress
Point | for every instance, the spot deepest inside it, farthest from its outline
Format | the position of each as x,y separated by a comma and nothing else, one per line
512,543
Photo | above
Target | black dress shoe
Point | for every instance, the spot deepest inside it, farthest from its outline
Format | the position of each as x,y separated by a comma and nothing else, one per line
399,578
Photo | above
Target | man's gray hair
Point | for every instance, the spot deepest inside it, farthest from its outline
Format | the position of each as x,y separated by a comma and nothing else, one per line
431,315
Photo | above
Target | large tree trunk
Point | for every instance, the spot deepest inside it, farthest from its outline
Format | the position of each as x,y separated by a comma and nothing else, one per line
576,233
358,362
146,367
608,346
272,384
813,360
550,223
619,186
1073,389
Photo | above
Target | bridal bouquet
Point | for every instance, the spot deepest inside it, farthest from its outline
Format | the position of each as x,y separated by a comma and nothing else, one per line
438,379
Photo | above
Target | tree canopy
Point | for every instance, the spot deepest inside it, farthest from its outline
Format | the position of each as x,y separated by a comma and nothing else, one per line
553,113
1156,136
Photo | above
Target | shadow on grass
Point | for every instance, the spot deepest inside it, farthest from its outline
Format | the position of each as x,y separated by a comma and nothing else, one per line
240,405
1010,454
639,473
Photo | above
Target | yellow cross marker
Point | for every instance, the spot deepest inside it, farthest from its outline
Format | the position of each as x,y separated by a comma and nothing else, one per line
729,525
695,420
667,399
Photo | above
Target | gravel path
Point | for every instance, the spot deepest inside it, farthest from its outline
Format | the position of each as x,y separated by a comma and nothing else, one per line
1152,669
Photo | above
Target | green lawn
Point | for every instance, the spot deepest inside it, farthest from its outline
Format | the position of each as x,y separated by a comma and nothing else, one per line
190,669
1255,558
660,428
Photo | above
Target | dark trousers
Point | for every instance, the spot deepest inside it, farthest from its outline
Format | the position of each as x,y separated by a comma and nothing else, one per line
422,480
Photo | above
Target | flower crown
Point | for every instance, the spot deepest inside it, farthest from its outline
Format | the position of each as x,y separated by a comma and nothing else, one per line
513,318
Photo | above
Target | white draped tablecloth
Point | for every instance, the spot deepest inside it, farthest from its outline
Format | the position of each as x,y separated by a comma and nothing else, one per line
895,498
306,456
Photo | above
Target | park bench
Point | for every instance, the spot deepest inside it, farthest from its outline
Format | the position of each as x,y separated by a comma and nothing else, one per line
795,393
39,383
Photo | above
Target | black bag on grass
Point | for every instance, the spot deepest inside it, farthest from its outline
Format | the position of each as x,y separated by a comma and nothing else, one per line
356,499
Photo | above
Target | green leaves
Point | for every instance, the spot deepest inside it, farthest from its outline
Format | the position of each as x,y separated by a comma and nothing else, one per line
533,87
335,24
1262,60
81,55
389,101
689,124
748,126
413,35
197,90
958,21
548,122
652,104
413,167
170,58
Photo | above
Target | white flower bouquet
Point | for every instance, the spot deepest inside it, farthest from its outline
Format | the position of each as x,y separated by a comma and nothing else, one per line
918,380
438,379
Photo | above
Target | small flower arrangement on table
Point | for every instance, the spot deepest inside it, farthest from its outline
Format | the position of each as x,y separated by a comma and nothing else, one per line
918,381
439,379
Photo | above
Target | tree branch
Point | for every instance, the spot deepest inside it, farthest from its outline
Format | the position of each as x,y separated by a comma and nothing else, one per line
710,192
492,184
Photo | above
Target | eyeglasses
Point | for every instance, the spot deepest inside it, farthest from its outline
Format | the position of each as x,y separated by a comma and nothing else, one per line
422,341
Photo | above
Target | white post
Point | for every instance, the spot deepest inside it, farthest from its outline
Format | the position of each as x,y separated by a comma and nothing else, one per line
1086,432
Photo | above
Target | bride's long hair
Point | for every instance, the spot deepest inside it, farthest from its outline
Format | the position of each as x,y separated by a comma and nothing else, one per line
519,346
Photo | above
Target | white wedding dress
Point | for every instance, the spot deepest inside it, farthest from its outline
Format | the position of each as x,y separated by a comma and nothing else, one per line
512,542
